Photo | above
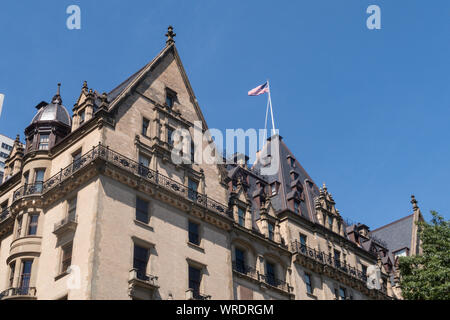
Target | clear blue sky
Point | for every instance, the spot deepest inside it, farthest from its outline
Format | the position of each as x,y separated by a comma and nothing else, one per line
365,111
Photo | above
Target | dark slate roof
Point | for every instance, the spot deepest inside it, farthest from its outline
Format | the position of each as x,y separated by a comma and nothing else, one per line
53,112
397,235
283,176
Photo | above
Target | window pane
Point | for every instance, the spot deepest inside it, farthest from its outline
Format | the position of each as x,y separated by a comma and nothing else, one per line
241,217
140,261
33,223
67,257
240,260
192,189
271,229
193,233
142,210
194,280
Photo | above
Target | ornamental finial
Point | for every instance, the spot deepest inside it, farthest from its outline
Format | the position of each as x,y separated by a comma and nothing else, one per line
57,97
170,35
414,202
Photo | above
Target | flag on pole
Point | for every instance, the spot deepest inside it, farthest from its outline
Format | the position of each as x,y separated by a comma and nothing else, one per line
264,88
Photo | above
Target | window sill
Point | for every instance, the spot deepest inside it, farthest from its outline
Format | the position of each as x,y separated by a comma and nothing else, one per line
143,225
61,275
196,247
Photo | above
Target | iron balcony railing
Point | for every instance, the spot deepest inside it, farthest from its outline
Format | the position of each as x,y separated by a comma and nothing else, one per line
329,260
23,290
102,152
268,279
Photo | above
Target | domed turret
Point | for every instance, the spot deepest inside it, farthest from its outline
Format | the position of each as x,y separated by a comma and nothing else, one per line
50,125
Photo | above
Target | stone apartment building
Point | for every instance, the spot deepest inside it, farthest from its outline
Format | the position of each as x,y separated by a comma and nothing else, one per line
5,148
94,208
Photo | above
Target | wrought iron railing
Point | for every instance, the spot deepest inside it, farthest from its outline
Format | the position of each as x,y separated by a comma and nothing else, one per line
20,291
268,279
329,260
244,269
127,164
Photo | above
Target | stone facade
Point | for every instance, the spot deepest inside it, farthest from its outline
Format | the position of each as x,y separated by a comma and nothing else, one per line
98,192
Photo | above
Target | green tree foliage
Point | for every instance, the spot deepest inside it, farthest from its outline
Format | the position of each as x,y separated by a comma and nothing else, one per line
427,276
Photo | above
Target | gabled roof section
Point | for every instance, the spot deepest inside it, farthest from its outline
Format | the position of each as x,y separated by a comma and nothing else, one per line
397,235
289,170
124,89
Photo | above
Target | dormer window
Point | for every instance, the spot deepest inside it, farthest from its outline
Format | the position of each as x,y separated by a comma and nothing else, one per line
170,98
44,140
297,206
274,189
330,222
291,161
82,117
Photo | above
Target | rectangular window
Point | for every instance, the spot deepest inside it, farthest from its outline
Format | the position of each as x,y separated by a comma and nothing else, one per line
144,164
330,222
303,239
66,260
25,277
12,268
194,235
192,189
342,293
140,261
72,209
82,117
39,179
76,160
296,206
271,231
33,224
241,217
44,140
170,136
308,282
337,258
195,277
169,99
240,260
142,210
192,152
273,188
145,125
270,274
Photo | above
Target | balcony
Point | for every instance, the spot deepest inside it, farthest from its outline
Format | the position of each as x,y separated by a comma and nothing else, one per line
252,273
116,159
138,278
26,293
65,225
192,294
326,259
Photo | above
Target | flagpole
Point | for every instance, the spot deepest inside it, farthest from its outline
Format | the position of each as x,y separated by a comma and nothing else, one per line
267,116
271,109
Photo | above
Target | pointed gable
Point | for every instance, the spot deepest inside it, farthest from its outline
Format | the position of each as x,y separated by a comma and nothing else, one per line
164,72
295,184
